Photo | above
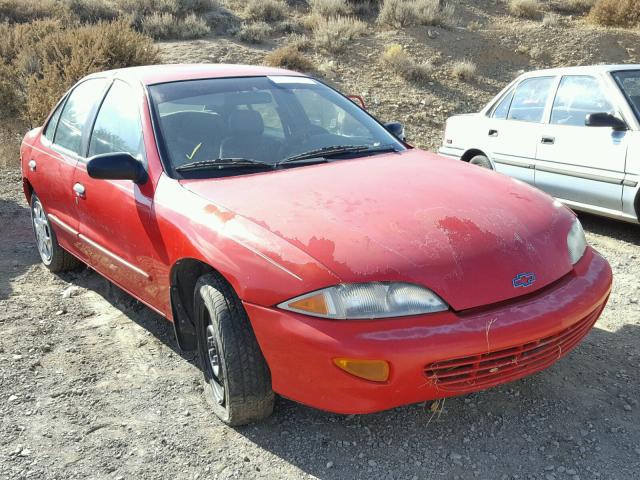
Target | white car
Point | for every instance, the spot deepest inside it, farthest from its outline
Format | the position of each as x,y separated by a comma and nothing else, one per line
573,132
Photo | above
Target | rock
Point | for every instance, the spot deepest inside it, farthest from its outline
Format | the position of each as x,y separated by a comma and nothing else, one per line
372,463
329,464
455,456
627,407
13,398
71,291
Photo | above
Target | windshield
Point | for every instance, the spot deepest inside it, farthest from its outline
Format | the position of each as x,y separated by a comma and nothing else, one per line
629,82
264,121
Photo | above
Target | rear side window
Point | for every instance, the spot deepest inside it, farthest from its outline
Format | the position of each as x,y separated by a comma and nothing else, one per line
577,97
502,109
530,99
117,127
76,114
50,130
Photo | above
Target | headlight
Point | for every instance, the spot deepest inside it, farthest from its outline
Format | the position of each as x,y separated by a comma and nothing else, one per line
576,242
367,300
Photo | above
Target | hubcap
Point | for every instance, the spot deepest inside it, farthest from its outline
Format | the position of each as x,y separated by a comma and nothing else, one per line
43,232
216,367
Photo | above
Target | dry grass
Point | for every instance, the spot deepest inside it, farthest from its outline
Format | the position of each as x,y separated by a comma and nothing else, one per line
573,7
330,8
334,34
524,8
398,60
291,58
402,13
551,20
616,13
256,32
464,70
25,11
41,60
266,10
167,25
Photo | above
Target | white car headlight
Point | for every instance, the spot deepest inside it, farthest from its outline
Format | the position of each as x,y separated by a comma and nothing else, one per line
367,301
576,242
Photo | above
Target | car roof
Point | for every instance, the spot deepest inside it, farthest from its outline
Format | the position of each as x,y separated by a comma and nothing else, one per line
153,74
585,69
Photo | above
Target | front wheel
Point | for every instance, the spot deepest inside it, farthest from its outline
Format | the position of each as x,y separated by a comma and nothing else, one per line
481,161
237,381
53,256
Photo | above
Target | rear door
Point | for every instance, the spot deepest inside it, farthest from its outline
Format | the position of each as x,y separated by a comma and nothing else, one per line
55,157
577,163
115,215
515,127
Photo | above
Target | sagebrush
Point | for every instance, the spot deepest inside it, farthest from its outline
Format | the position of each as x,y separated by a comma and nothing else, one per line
616,13
335,33
41,60
399,61
402,13
289,57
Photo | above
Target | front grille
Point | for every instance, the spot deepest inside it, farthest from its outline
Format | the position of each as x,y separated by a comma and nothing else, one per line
492,368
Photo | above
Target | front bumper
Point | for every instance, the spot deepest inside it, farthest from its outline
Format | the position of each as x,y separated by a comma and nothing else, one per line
430,356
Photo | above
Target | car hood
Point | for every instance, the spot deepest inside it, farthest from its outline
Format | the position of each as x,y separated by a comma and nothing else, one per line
462,231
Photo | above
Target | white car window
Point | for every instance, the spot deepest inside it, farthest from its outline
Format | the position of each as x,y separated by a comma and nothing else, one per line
502,109
530,99
577,97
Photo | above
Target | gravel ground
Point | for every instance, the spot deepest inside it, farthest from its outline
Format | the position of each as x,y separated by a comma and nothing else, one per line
92,385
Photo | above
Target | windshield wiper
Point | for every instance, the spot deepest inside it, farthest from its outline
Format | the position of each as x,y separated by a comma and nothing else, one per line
223,163
334,150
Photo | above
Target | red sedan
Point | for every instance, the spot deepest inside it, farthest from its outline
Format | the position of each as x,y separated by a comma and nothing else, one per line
301,246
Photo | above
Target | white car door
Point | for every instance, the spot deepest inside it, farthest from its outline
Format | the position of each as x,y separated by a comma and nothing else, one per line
579,164
515,127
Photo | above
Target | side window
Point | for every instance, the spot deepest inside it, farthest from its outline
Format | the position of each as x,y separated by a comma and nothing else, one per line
50,130
578,96
530,99
501,110
118,127
76,113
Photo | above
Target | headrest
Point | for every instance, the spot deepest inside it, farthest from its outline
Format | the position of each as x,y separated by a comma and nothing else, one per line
245,122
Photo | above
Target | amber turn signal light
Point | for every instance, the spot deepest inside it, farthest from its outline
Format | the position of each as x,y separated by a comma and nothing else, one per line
374,370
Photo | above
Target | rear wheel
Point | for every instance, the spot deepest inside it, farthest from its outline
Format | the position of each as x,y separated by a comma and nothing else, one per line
54,257
237,381
481,161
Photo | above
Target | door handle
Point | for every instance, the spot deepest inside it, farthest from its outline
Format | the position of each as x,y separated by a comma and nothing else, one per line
79,190
548,140
493,133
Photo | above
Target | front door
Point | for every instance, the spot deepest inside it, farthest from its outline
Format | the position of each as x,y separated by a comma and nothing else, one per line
581,164
115,214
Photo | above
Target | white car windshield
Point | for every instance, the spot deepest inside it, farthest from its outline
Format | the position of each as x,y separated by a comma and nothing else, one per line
629,82
246,123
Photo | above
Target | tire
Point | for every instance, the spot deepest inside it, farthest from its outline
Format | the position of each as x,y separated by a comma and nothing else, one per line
53,256
237,382
481,161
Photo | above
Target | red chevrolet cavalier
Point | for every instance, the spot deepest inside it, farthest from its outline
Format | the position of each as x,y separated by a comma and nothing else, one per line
301,246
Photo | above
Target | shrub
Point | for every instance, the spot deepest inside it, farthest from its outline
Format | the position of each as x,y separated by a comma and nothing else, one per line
578,7
289,57
299,42
43,59
330,8
402,13
616,13
25,11
256,32
397,59
524,8
551,20
167,25
334,34
92,11
464,70
266,10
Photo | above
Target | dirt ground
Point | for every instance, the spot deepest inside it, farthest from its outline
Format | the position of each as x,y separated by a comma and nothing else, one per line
92,385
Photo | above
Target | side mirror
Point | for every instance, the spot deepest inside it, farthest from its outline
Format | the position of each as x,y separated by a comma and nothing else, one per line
116,166
396,129
603,119
358,100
